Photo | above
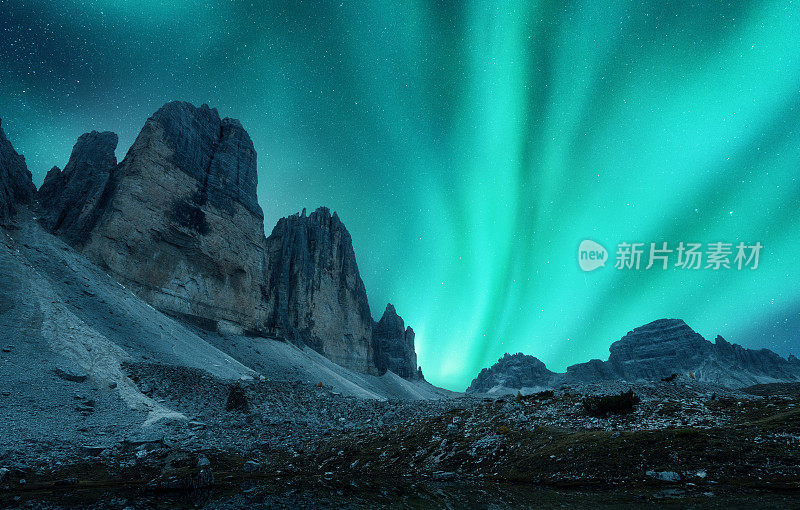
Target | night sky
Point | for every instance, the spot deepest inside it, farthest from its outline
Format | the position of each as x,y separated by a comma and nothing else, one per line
469,150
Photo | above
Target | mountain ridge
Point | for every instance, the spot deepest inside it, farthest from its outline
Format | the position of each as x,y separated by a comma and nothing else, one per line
650,352
178,222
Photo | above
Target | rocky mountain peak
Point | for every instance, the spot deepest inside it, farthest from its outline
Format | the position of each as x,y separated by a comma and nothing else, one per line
315,294
216,152
94,149
16,183
512,372
390,321
393,345
176,221
64,195
664,345
653,352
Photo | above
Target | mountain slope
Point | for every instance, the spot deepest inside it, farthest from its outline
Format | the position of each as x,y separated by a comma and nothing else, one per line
61,313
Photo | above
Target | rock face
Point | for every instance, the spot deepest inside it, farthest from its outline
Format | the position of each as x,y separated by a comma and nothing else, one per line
314,291
16,184
393,345
653,352
512,372
756,366
67,198
656,350
177,221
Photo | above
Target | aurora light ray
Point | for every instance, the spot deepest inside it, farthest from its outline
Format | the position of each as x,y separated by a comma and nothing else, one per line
470,150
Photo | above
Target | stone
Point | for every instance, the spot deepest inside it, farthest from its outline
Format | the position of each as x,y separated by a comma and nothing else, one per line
315,295
393,346
664,476
92,451
237,400
251,466
70,376
16,183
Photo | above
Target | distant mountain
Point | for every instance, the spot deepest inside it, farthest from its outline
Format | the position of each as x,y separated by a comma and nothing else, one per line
393,344
514,372
648,353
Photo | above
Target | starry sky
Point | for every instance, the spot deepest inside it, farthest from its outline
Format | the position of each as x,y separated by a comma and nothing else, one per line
470,147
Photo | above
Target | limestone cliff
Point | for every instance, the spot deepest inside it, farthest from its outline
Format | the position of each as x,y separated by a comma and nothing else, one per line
177,221
314,290
393,345
16,185
68,198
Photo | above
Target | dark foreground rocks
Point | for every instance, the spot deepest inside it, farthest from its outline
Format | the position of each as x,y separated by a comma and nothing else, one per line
688,438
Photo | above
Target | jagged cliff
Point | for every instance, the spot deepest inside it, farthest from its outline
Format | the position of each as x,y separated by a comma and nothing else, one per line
70,196
314,290
650,352
393,344
178,222
16,185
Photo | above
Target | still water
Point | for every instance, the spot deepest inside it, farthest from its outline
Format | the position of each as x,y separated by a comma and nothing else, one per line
276,493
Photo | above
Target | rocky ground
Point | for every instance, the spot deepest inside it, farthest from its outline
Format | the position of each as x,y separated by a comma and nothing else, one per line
298,444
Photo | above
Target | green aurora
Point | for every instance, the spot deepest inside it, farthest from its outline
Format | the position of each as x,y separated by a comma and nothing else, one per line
470,147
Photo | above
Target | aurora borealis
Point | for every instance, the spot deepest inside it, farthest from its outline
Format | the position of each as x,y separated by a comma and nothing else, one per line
469,150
